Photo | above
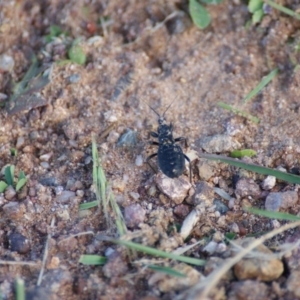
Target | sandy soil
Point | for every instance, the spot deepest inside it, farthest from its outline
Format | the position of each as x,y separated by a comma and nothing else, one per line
138,56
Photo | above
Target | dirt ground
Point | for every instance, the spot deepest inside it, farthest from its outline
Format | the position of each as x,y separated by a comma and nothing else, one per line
143,53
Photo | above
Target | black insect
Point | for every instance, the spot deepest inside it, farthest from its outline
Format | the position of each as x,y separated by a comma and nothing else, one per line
171,159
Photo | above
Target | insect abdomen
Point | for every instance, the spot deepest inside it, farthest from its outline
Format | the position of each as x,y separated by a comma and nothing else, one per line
171,160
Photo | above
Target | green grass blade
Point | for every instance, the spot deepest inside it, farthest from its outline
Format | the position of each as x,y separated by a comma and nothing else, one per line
160,253
90,259
272,214
265,80
167,270
291,178
239,112
3,186
88,205
283,9
20,289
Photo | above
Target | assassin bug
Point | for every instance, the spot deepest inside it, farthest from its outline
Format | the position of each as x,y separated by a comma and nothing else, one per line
169,156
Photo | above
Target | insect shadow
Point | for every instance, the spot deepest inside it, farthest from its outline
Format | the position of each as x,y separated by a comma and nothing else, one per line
170,157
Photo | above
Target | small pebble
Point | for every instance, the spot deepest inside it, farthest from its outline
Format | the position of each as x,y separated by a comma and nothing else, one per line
181,210
65,196
10,193
204,194
175,188
268,183
292,284
248,290
7,63
134,196
257,266
139,160
46,157
18,243
247,187
220,206
211,247
80,193
20,142
219,143
115,266
45,165
235,228
74,78
275,201
134,214
128,139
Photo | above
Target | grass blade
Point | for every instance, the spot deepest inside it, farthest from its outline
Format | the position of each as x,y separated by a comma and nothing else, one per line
94,260
238,112
167,270
265,80
160,253
291,178
283,9
88,205
272,214
20,289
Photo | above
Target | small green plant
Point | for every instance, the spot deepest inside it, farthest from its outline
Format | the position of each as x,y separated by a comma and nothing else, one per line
55,31
9,175
199,14
76,54
255,7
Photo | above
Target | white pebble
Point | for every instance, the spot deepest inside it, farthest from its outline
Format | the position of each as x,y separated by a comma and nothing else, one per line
139,160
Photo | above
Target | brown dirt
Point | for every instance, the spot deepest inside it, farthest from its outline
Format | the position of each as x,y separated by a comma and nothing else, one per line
130,64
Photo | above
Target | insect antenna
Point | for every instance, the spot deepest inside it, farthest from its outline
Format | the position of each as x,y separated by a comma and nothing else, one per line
167,109
154,110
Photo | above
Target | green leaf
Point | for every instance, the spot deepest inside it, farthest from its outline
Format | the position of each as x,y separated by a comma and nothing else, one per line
167,270
88,205
255,5
21,175
76,54
242,153
257,16
160,253
9,174
230,235
291,178
13,152
3,186
265,80
90,259
54,32
272,214
199,14
21,183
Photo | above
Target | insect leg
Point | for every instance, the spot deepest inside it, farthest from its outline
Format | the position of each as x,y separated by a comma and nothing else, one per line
154,134
179,139
148,161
